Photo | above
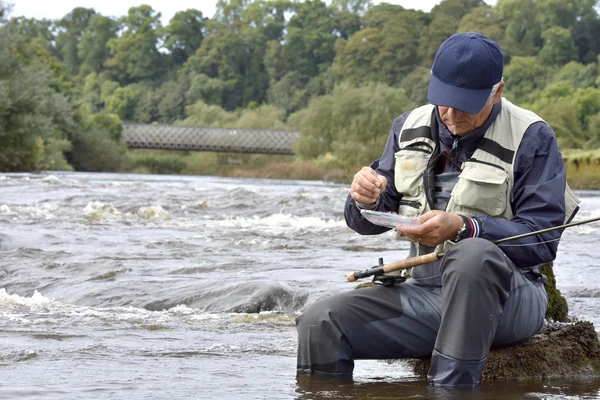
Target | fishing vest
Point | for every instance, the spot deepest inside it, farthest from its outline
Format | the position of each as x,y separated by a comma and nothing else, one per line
486,179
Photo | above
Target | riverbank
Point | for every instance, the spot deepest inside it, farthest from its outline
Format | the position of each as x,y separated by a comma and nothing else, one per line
583,167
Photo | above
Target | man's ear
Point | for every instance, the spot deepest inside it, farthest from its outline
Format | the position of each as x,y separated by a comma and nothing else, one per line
498,95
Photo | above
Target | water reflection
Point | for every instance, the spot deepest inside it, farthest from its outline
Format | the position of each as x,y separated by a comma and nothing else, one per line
320,388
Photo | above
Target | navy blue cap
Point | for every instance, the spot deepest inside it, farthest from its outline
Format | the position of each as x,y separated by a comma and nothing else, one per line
466,67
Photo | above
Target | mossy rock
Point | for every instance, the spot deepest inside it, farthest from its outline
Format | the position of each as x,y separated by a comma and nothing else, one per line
558,309
558,351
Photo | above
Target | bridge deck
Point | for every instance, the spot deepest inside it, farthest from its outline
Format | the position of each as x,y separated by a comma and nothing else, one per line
175,137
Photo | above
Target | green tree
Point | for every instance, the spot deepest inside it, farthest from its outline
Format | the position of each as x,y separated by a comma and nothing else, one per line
124,102
42,31
352,123
184,35
97,146
559,47
587,104
378,15
384,54
134,56
35,116
519,17
577,74
308,46
484,20
446,18
92,49
523,76
73,25
416,85
171,101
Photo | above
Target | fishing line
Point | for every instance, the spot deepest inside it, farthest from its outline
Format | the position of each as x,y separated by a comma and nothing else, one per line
528,244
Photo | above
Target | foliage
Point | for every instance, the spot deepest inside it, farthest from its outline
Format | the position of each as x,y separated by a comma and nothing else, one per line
339,71
34,116
352,123
134,54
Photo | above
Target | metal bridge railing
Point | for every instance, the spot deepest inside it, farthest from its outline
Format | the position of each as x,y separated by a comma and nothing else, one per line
176,137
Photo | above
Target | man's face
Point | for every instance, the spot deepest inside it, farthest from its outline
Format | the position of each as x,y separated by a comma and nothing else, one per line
460,123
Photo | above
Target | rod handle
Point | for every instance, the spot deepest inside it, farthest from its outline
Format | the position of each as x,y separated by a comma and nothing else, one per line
411,262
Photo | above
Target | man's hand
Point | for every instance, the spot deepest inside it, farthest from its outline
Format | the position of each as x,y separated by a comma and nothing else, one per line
367,186
436,227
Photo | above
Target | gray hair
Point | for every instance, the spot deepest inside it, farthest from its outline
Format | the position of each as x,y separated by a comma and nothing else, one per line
493,92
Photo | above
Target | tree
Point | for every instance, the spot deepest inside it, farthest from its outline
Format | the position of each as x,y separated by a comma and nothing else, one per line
519,17
377,16
35,117
184,35
134,56
578,75
352,123
484,20
93,49
308,46
416,85
559,47
523,76
446,17
73,25
384,54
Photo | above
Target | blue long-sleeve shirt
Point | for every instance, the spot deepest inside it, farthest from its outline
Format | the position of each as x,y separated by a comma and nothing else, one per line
537,197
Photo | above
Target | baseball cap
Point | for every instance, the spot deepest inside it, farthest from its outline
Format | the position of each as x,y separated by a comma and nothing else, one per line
466,67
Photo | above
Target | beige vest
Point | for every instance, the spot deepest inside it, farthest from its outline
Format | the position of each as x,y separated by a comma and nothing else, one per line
486,181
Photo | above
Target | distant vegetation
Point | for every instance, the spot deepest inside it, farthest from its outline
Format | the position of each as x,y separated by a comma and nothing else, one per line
338,73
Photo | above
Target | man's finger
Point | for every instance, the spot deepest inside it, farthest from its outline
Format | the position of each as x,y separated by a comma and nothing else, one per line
383,181
427,216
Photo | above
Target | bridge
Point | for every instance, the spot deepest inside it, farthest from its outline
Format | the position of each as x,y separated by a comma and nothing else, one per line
176,137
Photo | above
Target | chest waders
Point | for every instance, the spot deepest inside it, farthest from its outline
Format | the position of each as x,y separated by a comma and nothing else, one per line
486,300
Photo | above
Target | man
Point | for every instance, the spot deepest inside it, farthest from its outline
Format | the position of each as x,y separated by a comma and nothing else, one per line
472,168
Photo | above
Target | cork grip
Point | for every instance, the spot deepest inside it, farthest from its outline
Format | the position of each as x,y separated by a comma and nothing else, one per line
411,262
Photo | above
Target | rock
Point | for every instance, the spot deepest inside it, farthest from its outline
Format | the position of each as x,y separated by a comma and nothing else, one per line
560,350
558,309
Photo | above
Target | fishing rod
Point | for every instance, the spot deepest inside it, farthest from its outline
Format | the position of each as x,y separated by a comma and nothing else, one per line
381,269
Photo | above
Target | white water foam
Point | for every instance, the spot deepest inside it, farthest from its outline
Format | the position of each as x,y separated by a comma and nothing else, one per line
283,221
35,301
97,211
153,213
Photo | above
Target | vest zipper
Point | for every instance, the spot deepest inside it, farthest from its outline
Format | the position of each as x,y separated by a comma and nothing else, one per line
484,162
410,203
416,149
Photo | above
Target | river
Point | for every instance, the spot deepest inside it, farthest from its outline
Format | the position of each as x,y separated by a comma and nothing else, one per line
122,286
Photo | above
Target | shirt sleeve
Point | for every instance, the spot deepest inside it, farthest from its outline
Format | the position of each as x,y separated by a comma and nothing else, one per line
390,198
538,200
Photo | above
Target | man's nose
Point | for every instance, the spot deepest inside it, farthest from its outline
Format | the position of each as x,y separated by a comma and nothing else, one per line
453,113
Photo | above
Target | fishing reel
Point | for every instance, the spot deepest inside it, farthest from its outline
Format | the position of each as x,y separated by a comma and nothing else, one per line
386,280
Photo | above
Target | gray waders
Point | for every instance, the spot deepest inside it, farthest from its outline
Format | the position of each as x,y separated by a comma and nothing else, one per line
484,300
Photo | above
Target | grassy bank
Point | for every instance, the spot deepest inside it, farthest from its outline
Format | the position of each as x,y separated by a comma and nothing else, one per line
583,167
235,165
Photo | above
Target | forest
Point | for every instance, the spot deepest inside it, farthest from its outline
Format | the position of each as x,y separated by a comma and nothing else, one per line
337,72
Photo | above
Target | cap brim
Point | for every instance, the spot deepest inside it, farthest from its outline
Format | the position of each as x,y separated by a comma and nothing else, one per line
468,100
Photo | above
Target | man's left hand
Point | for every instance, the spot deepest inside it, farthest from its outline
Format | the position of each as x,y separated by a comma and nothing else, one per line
435,227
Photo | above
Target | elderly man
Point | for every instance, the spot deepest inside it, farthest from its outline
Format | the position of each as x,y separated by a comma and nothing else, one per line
472,168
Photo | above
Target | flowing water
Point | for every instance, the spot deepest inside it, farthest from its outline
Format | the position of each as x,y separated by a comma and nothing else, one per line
118,286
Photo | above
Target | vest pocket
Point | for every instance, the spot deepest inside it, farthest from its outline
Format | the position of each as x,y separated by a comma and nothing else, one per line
482,188
408,174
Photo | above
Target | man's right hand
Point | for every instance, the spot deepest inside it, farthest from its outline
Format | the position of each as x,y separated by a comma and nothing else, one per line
367,186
